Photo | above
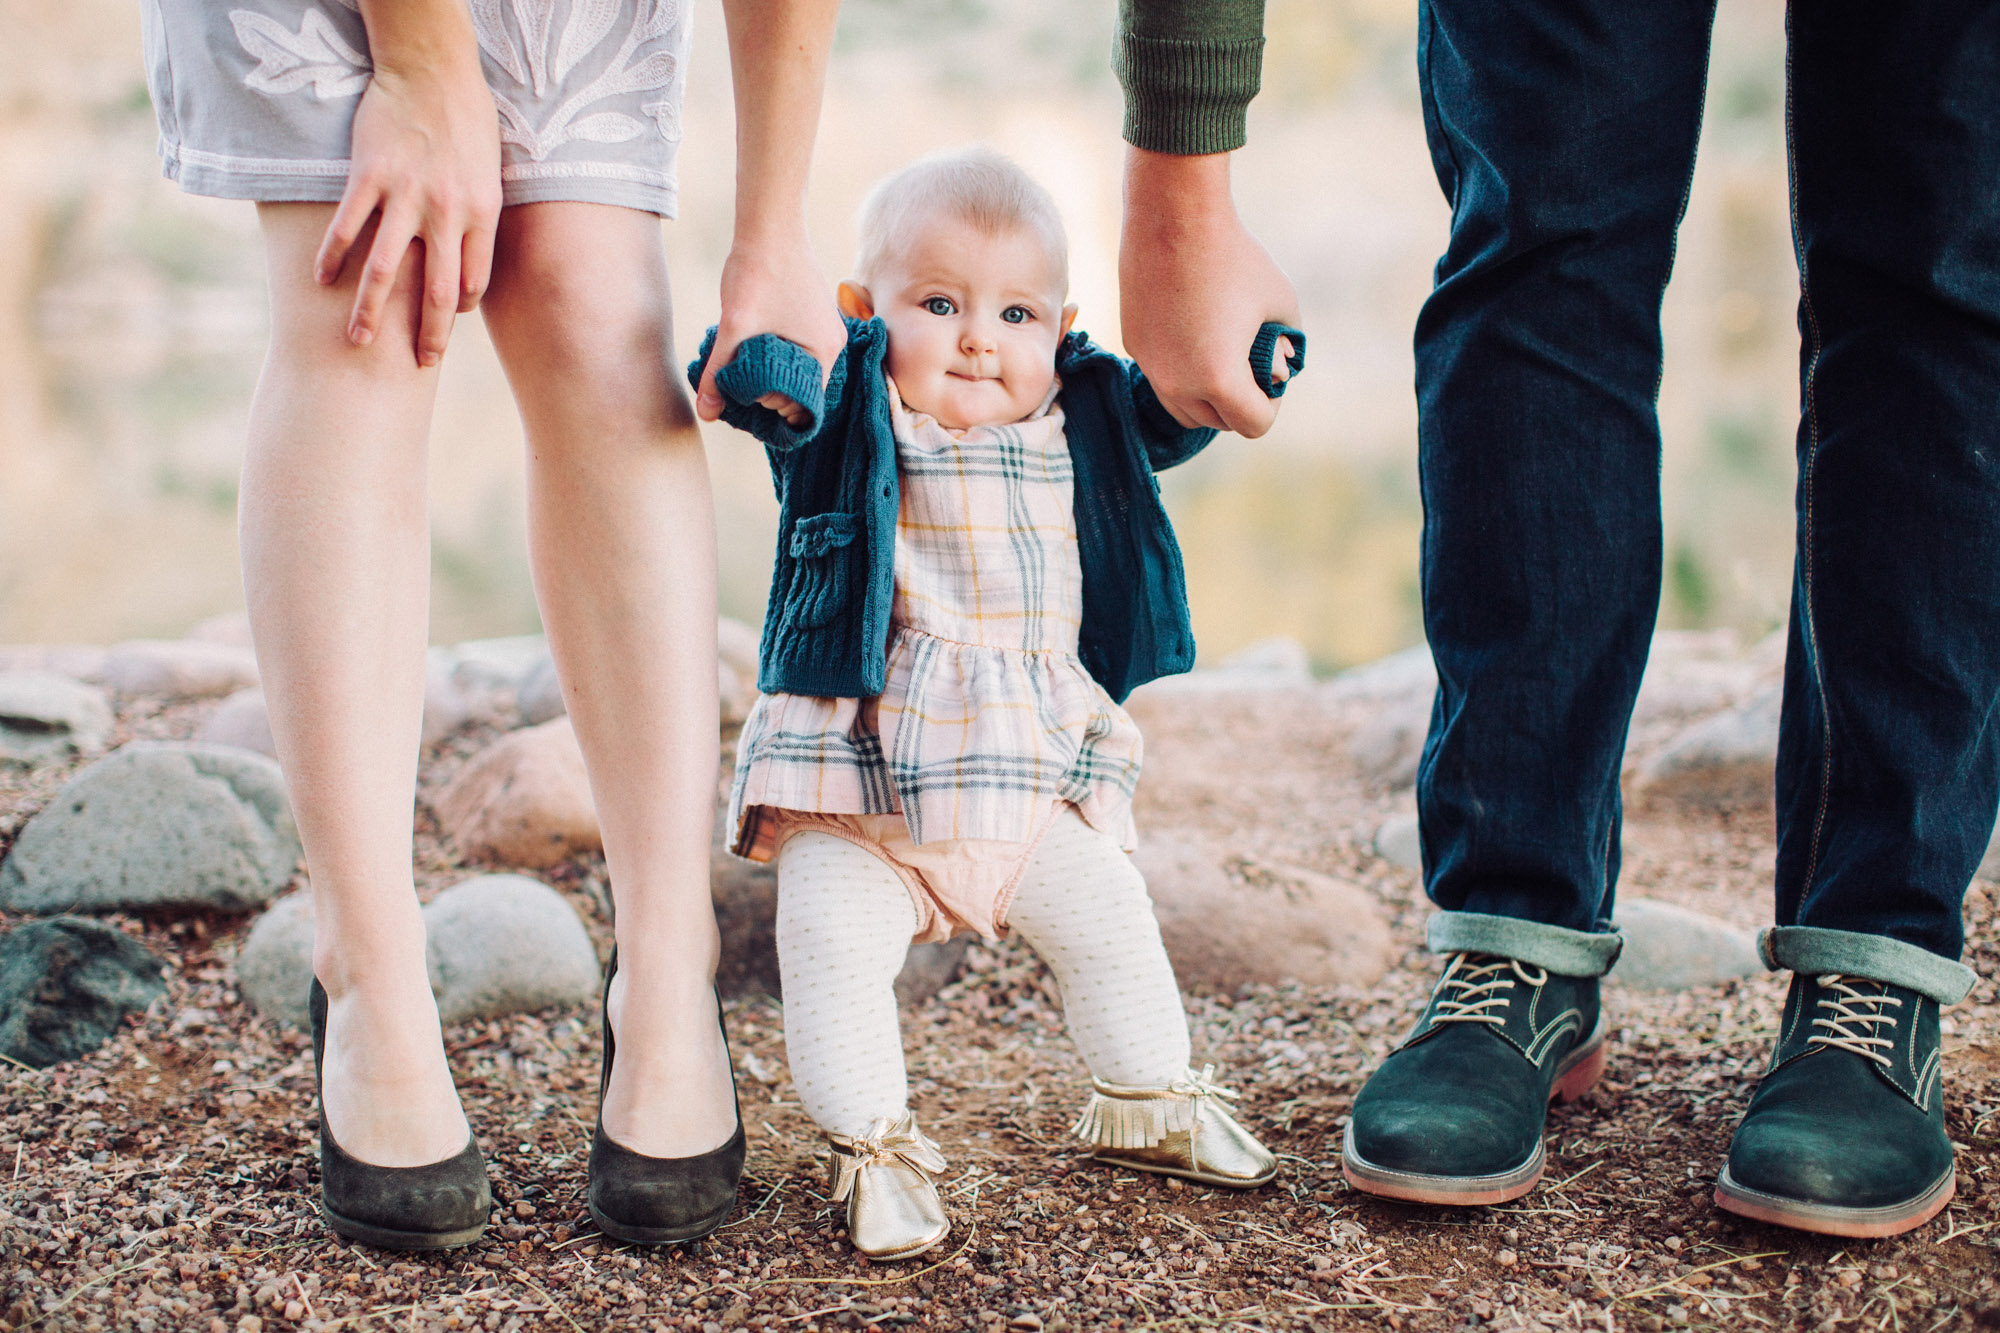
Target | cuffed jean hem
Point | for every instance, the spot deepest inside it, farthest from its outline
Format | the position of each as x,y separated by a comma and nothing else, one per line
1817,951
1569,953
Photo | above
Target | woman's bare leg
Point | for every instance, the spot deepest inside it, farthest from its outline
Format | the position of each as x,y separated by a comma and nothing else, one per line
336,569
622,540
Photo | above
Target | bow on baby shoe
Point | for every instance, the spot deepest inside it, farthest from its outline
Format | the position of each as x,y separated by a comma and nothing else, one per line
887,1142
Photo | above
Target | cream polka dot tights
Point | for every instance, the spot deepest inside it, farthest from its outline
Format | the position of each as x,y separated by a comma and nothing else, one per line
844,926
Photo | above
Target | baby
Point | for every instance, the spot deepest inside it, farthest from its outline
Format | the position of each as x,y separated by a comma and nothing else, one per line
973,568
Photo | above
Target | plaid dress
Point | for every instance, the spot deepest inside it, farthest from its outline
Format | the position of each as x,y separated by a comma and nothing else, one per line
988,718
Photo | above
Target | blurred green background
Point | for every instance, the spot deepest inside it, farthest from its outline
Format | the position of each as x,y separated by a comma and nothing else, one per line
132,323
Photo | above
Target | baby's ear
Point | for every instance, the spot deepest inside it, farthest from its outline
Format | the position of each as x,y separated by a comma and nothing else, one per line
855,303
1069,318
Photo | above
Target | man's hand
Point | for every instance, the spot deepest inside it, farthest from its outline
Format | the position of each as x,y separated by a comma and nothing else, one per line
426,157
1194,288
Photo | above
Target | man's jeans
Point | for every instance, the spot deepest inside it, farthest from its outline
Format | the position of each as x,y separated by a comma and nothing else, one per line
1563,132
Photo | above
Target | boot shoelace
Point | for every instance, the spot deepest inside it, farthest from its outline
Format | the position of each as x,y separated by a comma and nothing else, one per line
1471,992
1853,1009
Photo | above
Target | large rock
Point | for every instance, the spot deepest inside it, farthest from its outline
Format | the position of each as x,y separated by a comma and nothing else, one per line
157,824
1277,663
1392,698
746,910
1231,920
494,664
230,627
507,944
1399,843
242,721
274,963
78,661
45,717
66,984
244,718
524,801
178,668
497,944
1727,759
1672,948
540,696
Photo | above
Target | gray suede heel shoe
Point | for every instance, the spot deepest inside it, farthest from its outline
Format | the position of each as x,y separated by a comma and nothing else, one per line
440,1206
645,1200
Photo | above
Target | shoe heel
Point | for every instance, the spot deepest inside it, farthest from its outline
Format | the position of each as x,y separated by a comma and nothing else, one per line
1579,1078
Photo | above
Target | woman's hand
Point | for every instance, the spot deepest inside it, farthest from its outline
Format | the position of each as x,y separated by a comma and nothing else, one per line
1194,288
771,282
426,162
776,288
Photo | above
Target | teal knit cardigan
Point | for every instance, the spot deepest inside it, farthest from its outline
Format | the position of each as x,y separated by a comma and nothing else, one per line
826,628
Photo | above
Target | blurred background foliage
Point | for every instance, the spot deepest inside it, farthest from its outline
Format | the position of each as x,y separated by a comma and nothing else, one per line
132,323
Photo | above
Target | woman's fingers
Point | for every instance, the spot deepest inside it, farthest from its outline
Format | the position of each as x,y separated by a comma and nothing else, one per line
708,398
442,294
1281,361
475,266
357,205
378,275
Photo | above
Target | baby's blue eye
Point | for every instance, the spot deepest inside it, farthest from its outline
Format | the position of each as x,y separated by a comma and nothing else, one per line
1017,314
940,305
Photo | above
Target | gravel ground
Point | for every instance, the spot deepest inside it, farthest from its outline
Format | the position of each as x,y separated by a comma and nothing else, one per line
169,1180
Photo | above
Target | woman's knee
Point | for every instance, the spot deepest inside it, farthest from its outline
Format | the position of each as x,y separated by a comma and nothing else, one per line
582,287
309,320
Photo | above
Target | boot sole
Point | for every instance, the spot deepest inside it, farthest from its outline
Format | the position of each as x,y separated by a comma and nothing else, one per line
1830,1219
383,1238
1578,1072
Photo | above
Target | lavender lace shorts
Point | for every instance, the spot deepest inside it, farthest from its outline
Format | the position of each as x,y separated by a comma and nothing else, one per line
256,98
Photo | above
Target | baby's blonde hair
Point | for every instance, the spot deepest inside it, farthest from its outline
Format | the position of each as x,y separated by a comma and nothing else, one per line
977,186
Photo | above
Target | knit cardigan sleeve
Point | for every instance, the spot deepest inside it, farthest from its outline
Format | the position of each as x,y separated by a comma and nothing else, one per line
1189,69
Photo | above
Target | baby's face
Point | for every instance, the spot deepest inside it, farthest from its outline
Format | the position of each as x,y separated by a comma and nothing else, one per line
973,320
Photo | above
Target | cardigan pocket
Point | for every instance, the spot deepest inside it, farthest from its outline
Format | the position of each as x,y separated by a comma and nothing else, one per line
819,590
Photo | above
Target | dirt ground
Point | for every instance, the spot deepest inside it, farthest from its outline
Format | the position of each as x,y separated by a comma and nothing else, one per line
169,1180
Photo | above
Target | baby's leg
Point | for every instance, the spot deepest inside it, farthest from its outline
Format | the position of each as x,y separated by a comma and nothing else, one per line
1082,904
844,926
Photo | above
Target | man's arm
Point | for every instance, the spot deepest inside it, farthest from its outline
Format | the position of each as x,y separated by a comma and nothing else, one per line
771,282
1195,285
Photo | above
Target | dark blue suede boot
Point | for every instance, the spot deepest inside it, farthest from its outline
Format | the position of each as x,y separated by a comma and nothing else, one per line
1455,1114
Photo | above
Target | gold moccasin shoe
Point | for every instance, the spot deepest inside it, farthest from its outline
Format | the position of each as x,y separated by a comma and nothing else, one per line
1183,1130
885,1175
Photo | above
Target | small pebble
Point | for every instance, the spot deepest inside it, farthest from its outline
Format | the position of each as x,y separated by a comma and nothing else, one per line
1507,1258
250,1323
523,1209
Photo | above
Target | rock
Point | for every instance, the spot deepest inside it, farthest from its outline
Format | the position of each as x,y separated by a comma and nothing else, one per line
1278,663
1728,759
78,661
231,628
1670,948
178,668
445,706
1989,865
1398,843
1392,698
523,801
746,910
157,823
540,694
244,718
1231,920
496,663
507,944
274,964
497,944
66,984
241,721
45,717
737,645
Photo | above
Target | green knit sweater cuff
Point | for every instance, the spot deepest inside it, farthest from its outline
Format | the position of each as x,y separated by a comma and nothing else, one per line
1187,97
